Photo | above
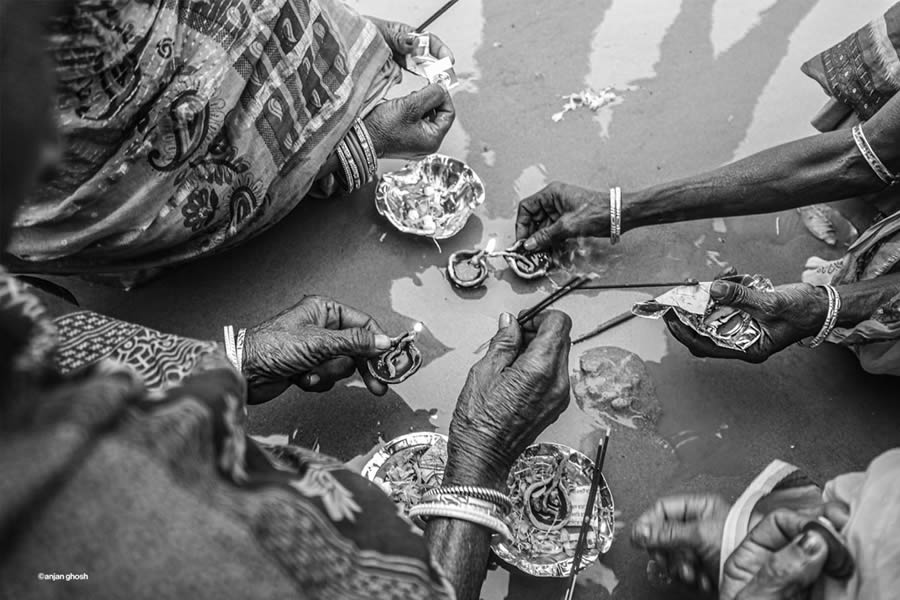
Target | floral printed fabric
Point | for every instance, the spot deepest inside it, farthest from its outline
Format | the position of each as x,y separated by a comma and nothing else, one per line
191,126
152,485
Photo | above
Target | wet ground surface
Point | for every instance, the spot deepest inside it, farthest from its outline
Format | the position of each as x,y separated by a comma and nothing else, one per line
700,83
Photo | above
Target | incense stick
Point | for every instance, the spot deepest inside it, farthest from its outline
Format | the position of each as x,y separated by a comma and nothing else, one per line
570,286
625,286
588,512
617,320
435,16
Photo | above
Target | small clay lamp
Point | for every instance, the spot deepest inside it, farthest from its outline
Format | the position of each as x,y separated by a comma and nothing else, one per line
399,362
527,265
469,268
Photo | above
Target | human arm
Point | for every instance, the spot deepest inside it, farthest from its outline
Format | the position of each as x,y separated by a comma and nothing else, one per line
512,394
789,314
820,168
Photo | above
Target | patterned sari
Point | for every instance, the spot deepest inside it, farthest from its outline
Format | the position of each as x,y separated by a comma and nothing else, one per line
124,461
189,126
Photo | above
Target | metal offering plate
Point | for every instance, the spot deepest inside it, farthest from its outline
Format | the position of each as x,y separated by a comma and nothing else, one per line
433,197
396,364
549,485
527,265
408,466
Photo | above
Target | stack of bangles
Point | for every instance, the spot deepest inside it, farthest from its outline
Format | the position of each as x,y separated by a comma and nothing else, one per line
834,309
615,214
356,154
234,346
482,506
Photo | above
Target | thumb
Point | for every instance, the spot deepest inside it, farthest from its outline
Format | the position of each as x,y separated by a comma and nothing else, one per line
735,295
545,238
356,341
504,346
428,98
790,570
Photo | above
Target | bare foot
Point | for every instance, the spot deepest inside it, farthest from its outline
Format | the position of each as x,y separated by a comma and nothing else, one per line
683,535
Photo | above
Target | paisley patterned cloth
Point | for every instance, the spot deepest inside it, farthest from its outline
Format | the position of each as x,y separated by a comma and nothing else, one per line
139,474
190,126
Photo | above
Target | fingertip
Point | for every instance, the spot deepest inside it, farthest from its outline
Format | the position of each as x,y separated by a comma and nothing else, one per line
531,244
718,290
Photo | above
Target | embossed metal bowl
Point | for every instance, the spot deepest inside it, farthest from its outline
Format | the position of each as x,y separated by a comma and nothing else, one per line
416,444
534,560
433,197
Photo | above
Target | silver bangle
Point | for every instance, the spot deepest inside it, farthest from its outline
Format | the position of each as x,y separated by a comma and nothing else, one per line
357,176
499,499
866,150
420,512
230,347
834,309
345,167
365,140
615,215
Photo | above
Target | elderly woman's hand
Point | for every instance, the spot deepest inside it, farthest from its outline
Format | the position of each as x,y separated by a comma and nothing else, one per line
412,126
511,395
787,315
775,561
314,344
401,39
561,211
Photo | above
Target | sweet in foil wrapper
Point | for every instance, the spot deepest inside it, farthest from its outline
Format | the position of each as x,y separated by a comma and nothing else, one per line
725,326
433,197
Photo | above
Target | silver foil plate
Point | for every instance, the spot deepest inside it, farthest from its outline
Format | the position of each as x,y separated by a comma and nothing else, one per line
604,509
433,197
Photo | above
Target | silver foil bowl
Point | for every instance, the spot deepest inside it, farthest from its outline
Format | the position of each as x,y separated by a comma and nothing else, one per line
433,197
539,566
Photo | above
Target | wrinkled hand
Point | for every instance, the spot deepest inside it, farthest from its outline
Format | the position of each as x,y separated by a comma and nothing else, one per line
683,536
412,126
786,316
314,344
561,211
776,562
511,395
401,39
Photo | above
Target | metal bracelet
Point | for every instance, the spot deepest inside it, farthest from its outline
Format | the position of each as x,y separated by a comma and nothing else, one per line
345,168
615,215
423,511
834,309
365,140
495,497
352,175
230,348
866,150
239,348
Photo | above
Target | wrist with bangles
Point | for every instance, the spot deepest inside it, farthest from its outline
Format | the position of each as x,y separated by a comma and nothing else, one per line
831,318
357,158
482,506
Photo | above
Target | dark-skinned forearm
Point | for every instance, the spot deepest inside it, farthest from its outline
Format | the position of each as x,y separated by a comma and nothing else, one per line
860,300
461,548
822,168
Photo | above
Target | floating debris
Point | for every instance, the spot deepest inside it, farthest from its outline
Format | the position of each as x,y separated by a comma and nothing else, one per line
586,98
817,219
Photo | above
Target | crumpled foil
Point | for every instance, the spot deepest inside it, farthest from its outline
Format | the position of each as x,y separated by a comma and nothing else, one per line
727,327
433,197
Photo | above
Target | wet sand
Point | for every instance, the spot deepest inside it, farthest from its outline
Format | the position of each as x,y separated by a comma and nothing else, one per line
699,84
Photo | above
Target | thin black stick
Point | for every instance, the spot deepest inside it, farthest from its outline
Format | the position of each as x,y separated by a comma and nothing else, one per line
625,286
433,18
588,513
617,320
572,285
